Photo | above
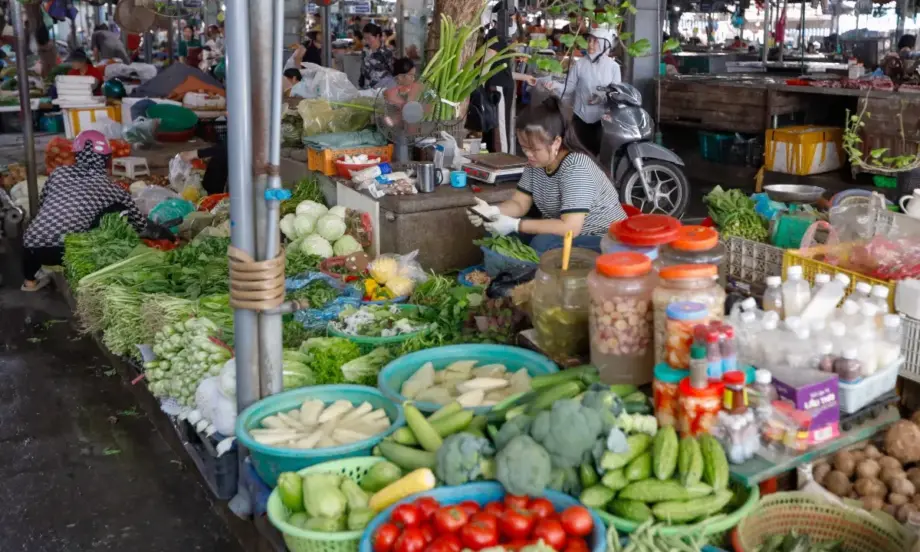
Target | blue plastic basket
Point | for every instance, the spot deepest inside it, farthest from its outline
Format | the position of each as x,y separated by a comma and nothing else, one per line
483,493
461,278
496,263
394,374
270,462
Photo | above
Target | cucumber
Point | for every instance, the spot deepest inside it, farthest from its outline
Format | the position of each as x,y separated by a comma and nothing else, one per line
546,397
379,476
679,511
580,373
445,426
689,461
632,510
698,490
445,410
596,497
407,458
588,475
422,429
615,480
637,443
623,389
640,468
653,490
715,463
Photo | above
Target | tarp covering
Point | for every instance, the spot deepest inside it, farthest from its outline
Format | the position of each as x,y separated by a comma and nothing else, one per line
176,80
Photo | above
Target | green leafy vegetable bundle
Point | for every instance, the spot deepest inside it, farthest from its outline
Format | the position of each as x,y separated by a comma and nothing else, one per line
509,246
86,252
734,214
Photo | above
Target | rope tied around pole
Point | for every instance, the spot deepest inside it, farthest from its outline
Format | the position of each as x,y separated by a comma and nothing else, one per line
255,285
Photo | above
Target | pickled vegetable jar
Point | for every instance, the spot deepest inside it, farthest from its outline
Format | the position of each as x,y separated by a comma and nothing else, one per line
620,322
683,316
698,409
677,283
640,234
665,393
560,303
692,245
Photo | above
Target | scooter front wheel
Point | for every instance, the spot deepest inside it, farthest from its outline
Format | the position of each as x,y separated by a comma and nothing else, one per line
669,185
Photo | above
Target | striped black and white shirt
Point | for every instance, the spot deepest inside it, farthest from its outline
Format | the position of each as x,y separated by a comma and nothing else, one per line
577,186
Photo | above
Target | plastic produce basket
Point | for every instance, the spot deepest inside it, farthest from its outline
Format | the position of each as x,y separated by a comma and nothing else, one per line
324,160
367,343
810,267
854,396
712,530
483,493
910,348
173,118
270,461
496,263
394,374
301,540
714,146
811,515
750,262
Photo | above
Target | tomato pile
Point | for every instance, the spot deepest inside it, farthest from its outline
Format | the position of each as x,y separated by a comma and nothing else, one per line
518,521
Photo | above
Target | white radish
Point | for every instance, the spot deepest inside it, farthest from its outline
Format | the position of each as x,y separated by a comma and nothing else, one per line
462,366
335,411
489,371
275,439
309,441
274,422
310,411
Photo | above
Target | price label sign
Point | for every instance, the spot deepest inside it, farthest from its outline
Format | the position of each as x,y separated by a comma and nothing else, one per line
361,8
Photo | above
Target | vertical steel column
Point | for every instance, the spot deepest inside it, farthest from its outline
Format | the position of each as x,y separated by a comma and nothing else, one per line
327,36
148,47
25,104
170,36
242,231
766,30
400,27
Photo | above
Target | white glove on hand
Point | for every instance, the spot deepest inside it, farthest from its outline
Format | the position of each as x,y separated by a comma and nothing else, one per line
503,225
490,211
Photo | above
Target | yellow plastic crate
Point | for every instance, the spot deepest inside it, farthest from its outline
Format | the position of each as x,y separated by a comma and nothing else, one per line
324,160
810,267
803,150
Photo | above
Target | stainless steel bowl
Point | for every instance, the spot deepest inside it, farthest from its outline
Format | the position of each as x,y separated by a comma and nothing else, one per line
794,193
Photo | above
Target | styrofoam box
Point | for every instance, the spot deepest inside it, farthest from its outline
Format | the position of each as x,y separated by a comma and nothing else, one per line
854,396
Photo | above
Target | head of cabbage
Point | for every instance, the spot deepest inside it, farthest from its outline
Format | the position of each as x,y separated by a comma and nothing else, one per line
314,244
330,227
311,208
346,245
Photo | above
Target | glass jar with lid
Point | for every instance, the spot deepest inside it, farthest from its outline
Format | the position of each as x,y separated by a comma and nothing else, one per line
560,303
640,234
692,245
620,323
689,282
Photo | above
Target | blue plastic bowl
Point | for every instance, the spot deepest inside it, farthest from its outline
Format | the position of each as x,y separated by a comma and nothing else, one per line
394,374
270,462
461,278
484,493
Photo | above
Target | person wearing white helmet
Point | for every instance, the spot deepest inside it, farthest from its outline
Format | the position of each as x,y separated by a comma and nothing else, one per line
73,199
589,72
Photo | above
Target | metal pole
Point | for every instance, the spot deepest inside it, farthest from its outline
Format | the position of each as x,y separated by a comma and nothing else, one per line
327,37
401,27
170,37
242,233
148,47
25,105
766,30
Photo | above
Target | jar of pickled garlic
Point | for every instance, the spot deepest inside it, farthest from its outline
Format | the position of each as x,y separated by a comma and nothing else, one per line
560,303
665,393
698,409
678,283
682,317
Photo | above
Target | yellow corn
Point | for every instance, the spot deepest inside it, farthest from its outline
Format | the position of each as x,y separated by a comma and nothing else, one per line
418,481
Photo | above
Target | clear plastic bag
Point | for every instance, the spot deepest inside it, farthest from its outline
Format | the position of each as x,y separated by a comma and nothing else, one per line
110,129
182,177
151,196
141,132
321,82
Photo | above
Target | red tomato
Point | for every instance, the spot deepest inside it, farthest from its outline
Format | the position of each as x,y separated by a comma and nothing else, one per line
407,515
427,506
449,519
550,532
519,502
477,535
577,521
494,508
385,537
411,540
445,543
485,518
428,532
469,506
575,544
516,523
541,508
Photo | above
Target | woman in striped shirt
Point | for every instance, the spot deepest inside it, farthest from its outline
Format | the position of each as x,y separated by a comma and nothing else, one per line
562,182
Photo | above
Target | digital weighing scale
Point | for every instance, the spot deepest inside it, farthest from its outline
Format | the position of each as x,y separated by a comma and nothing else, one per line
493,168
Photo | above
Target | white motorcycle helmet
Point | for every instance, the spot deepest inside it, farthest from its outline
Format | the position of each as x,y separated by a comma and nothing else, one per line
605,36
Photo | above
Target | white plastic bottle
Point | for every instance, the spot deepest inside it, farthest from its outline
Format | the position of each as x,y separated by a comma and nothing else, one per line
849,313
819,330
747,305
821,279
879,298
796,292
769,351
825,300
746,337
838,336
890,341
861,293
801,354
865,348
773,295
867,318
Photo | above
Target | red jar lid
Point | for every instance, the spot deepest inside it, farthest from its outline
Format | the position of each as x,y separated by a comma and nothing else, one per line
735,377
695,238
626,264
714,389
645,230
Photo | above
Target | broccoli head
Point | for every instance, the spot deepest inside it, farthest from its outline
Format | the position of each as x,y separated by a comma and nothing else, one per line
523,467
608,404
519,425
464,457
567,432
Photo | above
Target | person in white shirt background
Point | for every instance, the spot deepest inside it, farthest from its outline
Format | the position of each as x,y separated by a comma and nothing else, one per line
589,72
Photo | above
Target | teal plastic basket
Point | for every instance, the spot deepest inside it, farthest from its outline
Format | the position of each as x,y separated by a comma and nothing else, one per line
270,462
483,493
394,374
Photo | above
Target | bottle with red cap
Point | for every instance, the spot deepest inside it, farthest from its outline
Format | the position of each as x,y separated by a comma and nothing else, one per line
714,354
727,348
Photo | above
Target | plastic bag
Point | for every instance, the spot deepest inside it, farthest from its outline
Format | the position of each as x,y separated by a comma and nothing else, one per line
325,83
171,209
184,179
141,132
151,196
215,406
505,282
398,273
317,319
59,153
321,117
110,129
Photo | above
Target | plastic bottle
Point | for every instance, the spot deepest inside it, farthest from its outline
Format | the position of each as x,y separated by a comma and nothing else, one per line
879,298
773,295
746,338
728,349
796,292
838,336
825,300
819,329
848,366
866,351
861,293
763,394
747,305
768,351
821,279
801,354
714,355
867,314
826,356
792,323
699,367
890,342
849,314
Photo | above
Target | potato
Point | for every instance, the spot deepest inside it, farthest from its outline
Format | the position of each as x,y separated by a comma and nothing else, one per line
872,452
902,486
858,456
873,503
820,471
896,499
844,463
890,509
902,441
868,469
915,499
904,511
913,475
871,487
889,462
887,474
838,483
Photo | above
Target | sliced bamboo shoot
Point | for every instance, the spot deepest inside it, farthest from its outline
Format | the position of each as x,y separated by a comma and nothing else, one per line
310,411
357,413
335,411
274,422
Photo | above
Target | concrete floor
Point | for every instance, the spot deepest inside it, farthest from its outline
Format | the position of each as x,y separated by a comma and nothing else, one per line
82,467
